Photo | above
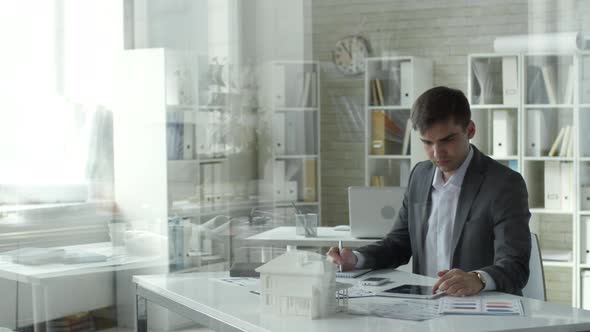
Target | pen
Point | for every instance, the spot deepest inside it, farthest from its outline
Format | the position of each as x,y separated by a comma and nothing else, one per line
339,253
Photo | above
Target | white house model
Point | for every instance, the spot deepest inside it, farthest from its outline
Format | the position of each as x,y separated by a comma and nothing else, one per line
300,283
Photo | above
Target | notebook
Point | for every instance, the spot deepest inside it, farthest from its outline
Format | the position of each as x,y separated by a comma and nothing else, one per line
352,274
481,306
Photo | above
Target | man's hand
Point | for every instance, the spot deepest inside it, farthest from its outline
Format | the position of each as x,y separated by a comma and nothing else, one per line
346,258
458,283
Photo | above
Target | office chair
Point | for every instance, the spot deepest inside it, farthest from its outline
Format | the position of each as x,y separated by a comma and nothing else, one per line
535,288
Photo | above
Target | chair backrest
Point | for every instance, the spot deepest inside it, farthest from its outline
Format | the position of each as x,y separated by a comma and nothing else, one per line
535,288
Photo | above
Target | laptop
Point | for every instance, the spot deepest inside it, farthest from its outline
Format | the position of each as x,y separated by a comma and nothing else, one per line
372,210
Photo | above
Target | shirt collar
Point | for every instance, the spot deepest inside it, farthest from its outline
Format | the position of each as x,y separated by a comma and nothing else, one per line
457,178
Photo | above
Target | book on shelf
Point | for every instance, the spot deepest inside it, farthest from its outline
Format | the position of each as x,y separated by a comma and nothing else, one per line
567,135
550,87
557,143
568,93
379,89
406,142
377,181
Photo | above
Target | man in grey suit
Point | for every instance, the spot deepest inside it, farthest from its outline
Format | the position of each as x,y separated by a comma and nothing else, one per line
464,218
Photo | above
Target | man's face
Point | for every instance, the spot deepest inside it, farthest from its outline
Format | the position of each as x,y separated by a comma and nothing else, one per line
447,144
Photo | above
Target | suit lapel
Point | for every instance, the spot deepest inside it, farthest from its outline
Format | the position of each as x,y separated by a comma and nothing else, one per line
469,190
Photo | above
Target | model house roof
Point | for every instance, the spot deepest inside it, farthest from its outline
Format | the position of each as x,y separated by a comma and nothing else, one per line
299,263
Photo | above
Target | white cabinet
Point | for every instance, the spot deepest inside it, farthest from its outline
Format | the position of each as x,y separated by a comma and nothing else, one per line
289,147
392,148
170,156
544,131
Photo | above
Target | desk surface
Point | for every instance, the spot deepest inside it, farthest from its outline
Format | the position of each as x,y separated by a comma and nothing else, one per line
36,273
327,237
233,308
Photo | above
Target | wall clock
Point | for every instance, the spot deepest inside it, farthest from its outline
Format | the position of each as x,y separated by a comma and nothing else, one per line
349,55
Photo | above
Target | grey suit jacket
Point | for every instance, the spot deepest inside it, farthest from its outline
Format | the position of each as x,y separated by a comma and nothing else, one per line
491,231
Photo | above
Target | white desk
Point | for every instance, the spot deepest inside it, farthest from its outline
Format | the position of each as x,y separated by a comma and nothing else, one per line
63,289
327,237
224,307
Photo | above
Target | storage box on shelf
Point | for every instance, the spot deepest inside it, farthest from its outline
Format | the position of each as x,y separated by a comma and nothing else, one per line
392,147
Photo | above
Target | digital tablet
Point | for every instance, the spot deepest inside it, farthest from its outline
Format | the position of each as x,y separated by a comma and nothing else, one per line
412,291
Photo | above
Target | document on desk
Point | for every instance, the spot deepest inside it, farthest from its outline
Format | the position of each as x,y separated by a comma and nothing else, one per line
416,310
356,291
481,306
241,281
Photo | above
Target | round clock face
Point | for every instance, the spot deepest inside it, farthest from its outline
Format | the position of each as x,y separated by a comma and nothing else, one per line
349,55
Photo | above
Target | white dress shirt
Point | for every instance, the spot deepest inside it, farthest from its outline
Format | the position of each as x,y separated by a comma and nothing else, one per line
445,198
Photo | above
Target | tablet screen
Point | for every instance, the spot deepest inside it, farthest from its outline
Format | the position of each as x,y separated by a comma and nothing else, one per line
411,290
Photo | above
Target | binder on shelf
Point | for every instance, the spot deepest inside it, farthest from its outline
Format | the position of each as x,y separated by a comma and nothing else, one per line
279,180
585,199
188,141
291,191
278,85
201,133
552,176
536,90
586,248
556,144
309,180
406,83
510,80
537,144
565,141
503,128
278,133
310,128
567,189
549,79
291,137
384,133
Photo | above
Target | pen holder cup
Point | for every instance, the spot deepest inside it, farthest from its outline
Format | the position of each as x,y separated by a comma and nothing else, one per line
300,224
311,225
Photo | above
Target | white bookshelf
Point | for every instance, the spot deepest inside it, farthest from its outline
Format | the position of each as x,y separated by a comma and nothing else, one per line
391,86
289,153
559,225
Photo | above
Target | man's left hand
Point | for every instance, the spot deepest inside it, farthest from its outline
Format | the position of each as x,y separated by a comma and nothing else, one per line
457,282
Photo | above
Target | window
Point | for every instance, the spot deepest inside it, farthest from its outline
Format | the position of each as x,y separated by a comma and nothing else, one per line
54,94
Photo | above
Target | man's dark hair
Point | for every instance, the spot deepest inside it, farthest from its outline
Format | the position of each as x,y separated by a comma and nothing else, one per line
440,104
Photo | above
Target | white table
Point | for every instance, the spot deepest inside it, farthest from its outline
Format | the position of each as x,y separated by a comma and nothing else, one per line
327,237
225,307
73,287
